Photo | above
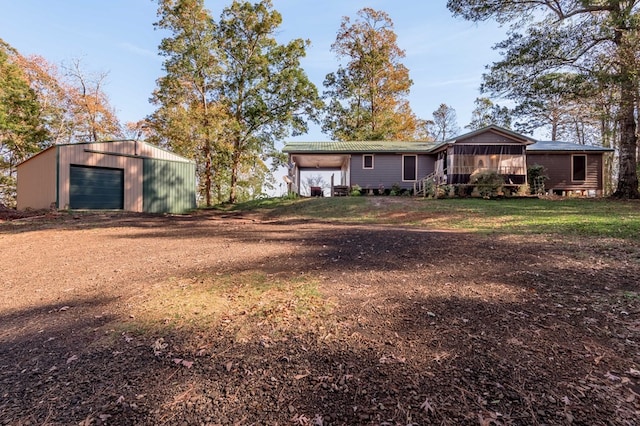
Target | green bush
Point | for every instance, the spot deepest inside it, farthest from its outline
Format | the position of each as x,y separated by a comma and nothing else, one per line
536,175
355,191
487,182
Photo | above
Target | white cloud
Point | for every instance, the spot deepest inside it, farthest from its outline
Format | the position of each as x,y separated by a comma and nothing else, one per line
132,48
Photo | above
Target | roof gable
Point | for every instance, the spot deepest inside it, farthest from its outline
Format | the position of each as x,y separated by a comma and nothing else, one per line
492,135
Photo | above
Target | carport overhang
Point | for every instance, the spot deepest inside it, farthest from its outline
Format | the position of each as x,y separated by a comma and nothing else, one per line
299,162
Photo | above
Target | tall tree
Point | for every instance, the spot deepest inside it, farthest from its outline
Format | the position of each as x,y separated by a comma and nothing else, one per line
264,90
445,123
188,118
487,113
74,104
53,94
597,39
230,91
368,95
93,117
21,130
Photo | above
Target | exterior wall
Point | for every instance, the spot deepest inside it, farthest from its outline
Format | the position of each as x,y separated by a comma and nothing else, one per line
77,154
36,186
558,169
387,170
169,186
132,148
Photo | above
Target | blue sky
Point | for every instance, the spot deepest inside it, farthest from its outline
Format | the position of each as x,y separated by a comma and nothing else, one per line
446,56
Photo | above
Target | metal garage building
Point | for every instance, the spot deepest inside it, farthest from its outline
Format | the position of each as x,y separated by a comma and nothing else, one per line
116,175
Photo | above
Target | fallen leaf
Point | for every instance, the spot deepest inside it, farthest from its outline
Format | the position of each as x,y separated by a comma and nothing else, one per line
158,346
64,308
72,358
427,407
300,376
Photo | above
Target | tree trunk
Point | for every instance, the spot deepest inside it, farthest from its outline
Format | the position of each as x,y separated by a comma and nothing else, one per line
235,161
208,173
627,172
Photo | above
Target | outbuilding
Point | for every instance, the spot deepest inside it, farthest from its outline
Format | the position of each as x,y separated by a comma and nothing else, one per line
126,175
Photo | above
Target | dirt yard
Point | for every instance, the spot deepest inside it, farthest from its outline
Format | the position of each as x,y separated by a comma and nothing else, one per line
232,319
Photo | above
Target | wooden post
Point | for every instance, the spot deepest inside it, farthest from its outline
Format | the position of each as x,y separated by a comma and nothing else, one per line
331,185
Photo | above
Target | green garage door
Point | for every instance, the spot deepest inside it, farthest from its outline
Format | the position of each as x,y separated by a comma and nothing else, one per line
96,188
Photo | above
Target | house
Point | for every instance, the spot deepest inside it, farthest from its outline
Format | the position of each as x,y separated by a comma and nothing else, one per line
377,164
115,175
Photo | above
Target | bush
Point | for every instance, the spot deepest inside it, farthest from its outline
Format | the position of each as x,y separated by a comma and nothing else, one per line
488,183
536,175
355,191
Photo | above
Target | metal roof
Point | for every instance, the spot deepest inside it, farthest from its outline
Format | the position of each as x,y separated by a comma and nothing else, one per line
565,146
358,146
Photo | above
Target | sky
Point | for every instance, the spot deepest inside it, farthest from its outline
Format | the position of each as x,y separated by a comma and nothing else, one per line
446,56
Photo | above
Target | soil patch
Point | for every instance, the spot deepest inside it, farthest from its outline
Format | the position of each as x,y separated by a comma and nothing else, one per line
222,318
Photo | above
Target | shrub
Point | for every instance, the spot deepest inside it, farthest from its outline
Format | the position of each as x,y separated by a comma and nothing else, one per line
487,183
536,175
356,190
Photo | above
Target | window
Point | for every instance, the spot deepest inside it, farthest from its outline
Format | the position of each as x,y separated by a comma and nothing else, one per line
367,161
579,167
409,167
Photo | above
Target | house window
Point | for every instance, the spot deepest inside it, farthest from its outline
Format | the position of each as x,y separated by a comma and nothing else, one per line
579,167
409,167
367,161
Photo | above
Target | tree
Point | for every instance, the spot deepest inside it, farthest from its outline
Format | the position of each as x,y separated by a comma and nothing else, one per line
487,113
93,117
596,40
188,118
74,105
445,123
53,94
21,131
263,89
368,95
230,92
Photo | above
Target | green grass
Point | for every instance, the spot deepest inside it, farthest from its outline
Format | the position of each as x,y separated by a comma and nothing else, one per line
582,217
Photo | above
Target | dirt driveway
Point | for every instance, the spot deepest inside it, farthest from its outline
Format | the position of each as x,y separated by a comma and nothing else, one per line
231,319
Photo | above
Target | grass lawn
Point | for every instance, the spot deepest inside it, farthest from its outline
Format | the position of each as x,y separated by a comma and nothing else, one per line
582,217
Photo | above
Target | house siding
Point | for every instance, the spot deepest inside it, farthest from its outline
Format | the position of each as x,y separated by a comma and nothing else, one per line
387,170
36,185
558,169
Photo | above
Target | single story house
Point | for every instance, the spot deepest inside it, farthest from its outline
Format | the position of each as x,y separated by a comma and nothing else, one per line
374,164
114,175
